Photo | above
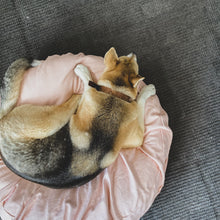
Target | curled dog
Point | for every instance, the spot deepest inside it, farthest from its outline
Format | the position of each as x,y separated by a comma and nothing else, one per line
69,144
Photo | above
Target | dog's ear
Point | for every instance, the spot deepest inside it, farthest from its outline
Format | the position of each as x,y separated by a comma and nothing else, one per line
132,56
135,80
111,58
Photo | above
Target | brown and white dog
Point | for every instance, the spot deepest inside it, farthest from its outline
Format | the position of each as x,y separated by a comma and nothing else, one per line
68,145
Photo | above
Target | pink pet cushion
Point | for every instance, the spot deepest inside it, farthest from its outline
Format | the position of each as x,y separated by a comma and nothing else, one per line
125,190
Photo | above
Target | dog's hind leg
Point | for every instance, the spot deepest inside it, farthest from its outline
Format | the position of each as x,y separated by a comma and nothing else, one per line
12,84
30,121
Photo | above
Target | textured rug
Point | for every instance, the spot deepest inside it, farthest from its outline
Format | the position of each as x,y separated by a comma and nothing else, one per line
177,46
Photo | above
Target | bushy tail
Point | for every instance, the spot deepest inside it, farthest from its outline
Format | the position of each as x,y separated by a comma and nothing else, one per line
12,84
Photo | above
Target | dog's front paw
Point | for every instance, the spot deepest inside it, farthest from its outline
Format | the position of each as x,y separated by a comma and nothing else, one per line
146,92
149,90
36,63
81,69
83,73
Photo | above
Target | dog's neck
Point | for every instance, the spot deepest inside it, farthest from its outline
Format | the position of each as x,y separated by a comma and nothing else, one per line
111,92
121,92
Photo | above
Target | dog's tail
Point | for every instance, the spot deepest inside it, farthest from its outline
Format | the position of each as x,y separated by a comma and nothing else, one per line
12,84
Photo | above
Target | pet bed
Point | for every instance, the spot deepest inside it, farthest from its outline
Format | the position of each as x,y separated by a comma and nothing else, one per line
125,190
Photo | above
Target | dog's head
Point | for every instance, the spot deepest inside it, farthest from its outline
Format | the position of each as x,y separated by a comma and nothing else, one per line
121,73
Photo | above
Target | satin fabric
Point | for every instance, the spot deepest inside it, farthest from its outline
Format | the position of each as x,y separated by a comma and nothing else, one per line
124,190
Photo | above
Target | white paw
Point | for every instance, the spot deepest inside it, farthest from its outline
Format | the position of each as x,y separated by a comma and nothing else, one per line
146,92
81,69
149,90
36,63
83,73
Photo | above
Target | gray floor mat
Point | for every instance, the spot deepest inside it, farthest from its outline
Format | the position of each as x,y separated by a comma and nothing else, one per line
177,46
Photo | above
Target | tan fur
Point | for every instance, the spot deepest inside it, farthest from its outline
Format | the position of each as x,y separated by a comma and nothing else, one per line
84,164
130,135
131,129
39,121
99,125
12,86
